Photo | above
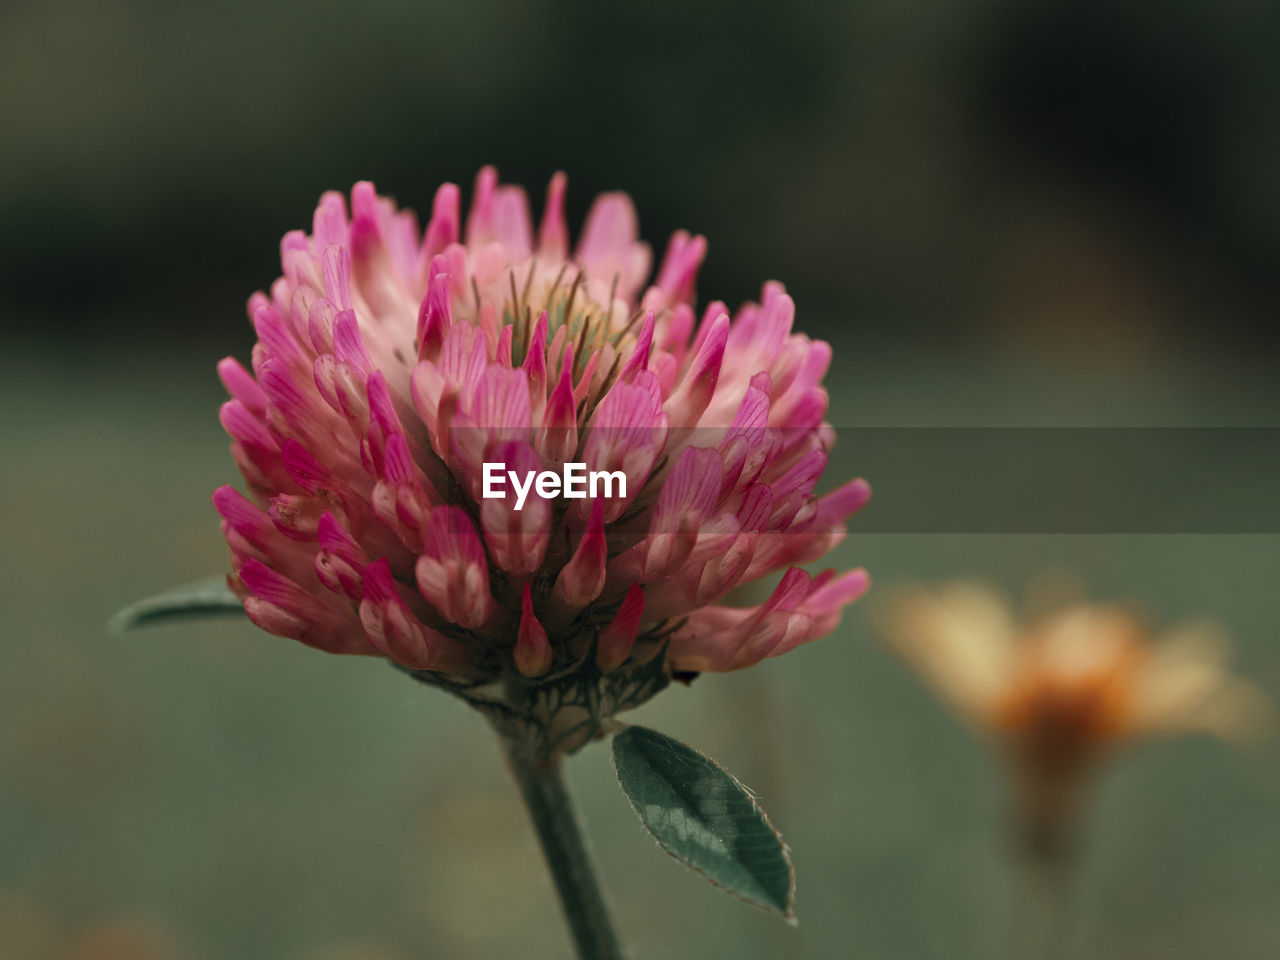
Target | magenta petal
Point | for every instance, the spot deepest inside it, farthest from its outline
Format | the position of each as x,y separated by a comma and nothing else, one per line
583,576
444,227
638,360
341,560
391,626
435,315
241,385
533,650
617,639
680,266
691,398
553,234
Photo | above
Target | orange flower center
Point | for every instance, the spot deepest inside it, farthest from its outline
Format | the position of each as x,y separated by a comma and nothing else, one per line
1073,687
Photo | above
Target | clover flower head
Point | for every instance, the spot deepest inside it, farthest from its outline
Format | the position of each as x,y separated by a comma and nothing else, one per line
392,365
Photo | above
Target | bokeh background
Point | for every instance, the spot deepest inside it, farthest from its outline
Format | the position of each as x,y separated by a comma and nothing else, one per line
1000,213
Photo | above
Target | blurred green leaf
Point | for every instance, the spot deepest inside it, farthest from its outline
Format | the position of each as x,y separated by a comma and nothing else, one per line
703,816
203,598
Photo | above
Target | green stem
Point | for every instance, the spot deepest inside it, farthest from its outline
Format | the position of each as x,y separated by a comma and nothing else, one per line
1046,853
1041,925
546,795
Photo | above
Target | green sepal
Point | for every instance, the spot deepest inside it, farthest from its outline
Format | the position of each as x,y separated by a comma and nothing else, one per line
204,598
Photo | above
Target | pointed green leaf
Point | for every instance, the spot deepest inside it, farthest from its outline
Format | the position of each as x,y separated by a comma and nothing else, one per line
701,815
203,598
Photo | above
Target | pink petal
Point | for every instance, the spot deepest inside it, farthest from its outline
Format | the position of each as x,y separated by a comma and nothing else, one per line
583,576
394,630
242,387
679,270
533,651
443,228
690,399
517,539
341,560
553,235
610,246
452,572
617,639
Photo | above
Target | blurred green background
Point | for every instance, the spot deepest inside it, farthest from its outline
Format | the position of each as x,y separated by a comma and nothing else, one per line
1000,213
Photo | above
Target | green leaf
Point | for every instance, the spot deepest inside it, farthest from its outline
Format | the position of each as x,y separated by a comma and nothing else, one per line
204,598
704,817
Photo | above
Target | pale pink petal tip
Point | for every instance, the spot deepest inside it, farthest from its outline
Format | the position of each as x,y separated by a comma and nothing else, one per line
553,234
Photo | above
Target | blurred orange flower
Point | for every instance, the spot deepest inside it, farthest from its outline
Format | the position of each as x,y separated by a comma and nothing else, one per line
1061,690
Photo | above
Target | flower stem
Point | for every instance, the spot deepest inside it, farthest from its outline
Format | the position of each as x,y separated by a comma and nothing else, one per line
1041,926
1046,852
546,795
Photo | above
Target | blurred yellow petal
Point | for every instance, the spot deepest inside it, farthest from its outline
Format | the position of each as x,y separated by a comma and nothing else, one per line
1237,712
1183,674
959,637
1083,643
